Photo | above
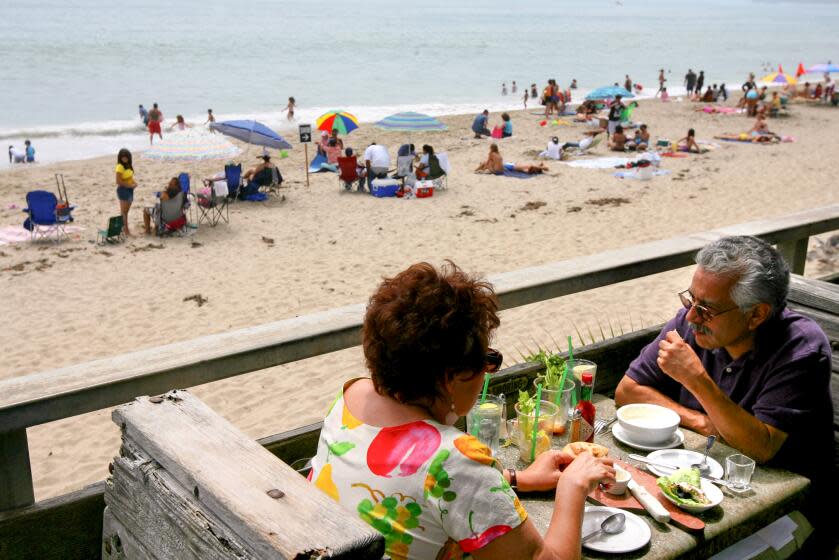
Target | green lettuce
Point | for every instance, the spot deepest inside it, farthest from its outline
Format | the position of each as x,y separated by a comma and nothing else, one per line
684,487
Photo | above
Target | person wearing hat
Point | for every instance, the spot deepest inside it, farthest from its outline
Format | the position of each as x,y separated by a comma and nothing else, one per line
615,111
261,175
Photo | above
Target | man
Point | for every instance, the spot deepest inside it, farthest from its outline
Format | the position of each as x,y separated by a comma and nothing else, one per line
700,81
615,115
690,81
377,162
661,80
479,125
735,362
144,115
155,120
627,84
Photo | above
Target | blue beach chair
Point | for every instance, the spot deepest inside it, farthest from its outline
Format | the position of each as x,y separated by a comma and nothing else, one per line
233,176
45,219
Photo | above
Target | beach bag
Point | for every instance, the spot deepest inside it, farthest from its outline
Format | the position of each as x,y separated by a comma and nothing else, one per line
497,132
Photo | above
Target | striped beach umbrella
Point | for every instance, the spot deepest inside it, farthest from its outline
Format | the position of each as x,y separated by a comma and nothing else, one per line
411,122
191,145
779,77
341,120
610,92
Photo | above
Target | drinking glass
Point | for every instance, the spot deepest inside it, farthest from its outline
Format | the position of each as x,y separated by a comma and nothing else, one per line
738,472
581,367
559,398
484,422
547,417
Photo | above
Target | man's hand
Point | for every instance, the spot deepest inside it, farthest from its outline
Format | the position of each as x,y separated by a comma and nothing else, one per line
678,360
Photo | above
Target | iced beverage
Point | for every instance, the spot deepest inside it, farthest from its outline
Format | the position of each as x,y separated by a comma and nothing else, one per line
484,422
560,398
545,426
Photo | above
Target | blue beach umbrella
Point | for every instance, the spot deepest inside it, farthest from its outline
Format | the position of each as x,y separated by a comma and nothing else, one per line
610,92
410,122
822,68
252,132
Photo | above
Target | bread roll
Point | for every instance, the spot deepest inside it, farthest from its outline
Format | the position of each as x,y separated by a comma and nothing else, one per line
577,447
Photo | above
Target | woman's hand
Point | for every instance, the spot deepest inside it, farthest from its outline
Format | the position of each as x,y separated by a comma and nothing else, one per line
586,472
544,473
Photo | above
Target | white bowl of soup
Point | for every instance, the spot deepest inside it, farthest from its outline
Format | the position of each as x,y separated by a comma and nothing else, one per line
648,424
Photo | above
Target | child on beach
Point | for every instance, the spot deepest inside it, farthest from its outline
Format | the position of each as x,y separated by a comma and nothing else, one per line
210,119
688,143
290,108
16,156
30,152
180,123
525,98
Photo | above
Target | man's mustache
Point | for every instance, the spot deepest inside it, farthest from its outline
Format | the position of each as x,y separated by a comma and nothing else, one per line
701,329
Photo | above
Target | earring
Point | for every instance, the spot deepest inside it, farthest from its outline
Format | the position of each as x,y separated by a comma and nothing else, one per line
451,415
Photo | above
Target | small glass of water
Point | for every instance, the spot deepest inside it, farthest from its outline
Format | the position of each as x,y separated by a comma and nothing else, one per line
484,422
738,472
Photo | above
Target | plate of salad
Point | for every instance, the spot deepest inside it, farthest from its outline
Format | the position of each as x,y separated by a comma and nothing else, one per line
689,491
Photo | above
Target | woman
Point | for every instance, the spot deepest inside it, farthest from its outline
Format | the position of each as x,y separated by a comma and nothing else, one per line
424,165
507,126
125,185
388,449
290,108
688,143
180,123
494,163
617,143
172,190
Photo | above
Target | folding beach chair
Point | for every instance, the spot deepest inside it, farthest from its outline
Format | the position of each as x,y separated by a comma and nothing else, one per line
169,216
44,217
348,173
275,185
404,167
113,234
213,208
233,175
184,181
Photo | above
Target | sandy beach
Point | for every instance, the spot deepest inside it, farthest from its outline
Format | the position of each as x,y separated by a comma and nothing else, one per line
322,247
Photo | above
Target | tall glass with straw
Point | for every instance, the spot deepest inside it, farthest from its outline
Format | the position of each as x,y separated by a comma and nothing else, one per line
484,419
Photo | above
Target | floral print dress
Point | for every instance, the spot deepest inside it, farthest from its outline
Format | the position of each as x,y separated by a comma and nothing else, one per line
431,490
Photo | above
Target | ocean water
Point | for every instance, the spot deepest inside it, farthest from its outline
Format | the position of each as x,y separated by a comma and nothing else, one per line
73,73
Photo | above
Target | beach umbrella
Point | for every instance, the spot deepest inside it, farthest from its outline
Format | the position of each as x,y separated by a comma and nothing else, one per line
252,132
610,92
191,145
801,71
341,120
822,68
411,122
779,77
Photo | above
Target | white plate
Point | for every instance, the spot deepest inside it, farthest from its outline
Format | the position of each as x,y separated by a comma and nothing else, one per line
711,492
635,534
681,458
620,435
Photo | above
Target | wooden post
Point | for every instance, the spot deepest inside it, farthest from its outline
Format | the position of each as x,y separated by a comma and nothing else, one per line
306,162
15,473
795,253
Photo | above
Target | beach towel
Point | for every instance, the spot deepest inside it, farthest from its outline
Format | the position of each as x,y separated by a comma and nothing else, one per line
633,174
317,164
562,114
517,174
598,163
18,234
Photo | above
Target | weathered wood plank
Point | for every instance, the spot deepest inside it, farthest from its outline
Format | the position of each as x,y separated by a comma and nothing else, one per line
15,472
65,528
795,253
814,293
43,397
231,476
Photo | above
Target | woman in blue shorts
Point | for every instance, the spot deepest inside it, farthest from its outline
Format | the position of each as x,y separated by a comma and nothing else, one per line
125,185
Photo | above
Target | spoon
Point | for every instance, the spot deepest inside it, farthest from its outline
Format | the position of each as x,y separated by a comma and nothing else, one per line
612,525
703,467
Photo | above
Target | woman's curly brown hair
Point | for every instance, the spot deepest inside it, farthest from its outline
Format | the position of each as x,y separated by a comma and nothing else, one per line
424,325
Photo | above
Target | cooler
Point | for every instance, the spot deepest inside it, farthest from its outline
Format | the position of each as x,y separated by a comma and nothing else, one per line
424,189
384,187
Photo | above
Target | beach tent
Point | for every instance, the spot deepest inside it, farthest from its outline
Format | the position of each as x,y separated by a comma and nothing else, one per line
252,132
610,92
822,68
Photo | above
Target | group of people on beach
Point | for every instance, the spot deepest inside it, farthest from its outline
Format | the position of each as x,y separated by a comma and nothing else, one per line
153,121
26,156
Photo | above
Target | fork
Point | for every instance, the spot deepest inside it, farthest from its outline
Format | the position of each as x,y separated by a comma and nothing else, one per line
600,425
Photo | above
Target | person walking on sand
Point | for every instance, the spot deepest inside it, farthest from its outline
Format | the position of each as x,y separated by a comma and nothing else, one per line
661,80
290,108
210,120
125,185
155,120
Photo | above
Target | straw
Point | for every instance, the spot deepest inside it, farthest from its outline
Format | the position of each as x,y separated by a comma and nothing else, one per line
570,367
535,423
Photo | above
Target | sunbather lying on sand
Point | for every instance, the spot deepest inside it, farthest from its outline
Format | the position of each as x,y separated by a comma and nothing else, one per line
746,137
529,168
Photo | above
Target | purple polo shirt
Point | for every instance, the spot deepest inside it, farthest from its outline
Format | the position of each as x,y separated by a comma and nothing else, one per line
784,381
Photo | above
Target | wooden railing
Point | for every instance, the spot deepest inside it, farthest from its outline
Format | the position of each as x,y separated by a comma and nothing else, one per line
61,393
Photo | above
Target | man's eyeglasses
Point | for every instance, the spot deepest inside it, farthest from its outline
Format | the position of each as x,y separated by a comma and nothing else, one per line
704,313
493,360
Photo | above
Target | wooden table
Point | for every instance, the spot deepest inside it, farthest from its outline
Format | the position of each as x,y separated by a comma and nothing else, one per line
775,493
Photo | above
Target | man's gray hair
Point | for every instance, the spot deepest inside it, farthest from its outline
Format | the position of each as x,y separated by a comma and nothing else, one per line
762,274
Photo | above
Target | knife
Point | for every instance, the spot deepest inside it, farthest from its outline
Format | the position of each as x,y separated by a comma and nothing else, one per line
642,459
652,505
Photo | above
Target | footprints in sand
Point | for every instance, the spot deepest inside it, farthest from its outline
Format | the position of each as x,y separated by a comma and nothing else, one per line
198,299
